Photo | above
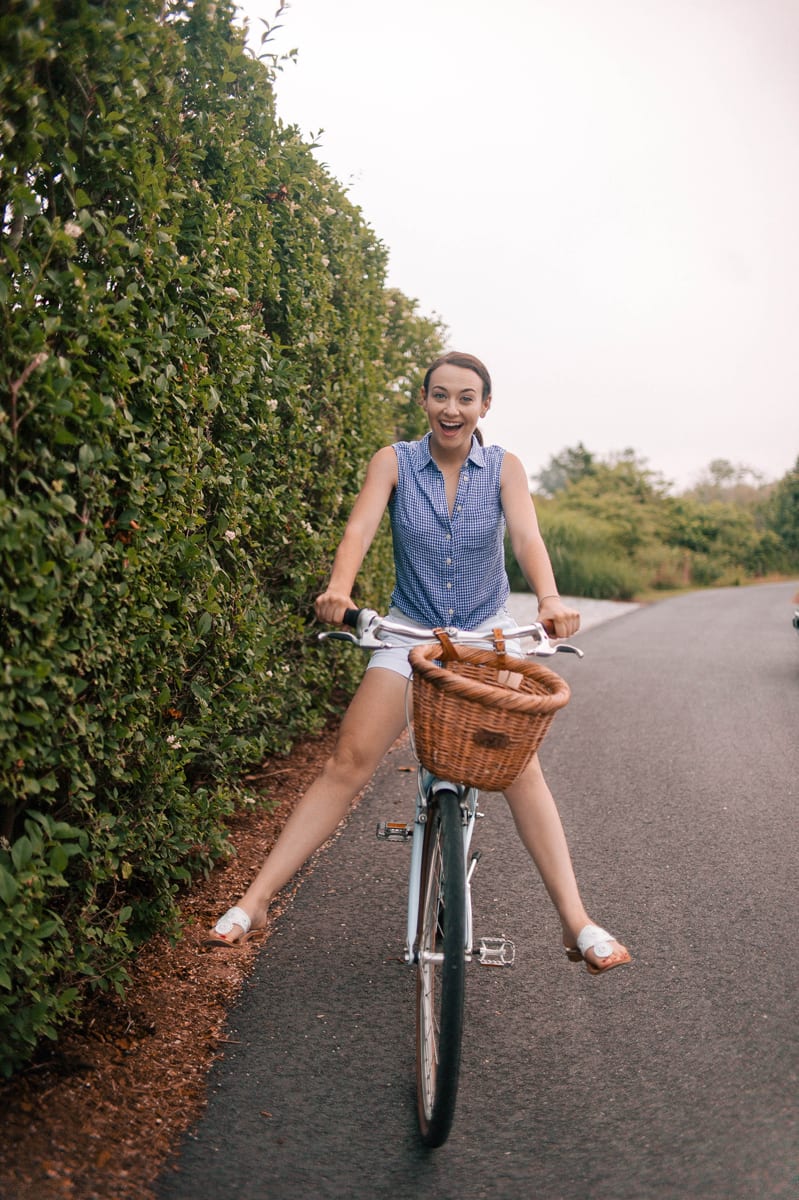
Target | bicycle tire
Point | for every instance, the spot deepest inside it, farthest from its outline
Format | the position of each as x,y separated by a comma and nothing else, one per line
441,969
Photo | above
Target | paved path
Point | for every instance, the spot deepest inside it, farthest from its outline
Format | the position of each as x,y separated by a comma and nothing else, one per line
524,607
677,774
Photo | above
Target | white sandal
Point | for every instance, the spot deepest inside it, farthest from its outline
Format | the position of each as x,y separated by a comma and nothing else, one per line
233,916
594,937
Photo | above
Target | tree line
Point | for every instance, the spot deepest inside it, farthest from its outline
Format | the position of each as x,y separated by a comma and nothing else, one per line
615,530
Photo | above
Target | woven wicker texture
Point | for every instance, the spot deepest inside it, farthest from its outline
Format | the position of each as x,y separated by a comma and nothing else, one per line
480,716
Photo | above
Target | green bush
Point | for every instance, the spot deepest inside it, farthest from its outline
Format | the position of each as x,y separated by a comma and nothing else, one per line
587,557
199,355
613,529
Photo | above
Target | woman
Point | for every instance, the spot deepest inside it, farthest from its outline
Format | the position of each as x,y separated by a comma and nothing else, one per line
450,500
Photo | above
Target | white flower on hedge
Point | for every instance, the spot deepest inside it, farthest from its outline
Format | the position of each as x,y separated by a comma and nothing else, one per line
73,229
229,535
174,742
307,526
271,405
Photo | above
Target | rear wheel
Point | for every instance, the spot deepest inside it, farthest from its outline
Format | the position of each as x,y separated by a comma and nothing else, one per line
441,968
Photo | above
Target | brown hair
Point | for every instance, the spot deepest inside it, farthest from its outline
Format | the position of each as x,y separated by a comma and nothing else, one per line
456,359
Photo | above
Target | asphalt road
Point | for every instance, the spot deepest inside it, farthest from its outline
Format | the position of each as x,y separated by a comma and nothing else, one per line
677,773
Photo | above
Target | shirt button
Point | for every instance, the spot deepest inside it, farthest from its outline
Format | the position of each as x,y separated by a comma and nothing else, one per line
449,562
449,537
460,508
449,585
451,612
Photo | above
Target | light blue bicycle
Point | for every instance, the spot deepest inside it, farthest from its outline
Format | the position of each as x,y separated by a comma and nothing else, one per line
439,938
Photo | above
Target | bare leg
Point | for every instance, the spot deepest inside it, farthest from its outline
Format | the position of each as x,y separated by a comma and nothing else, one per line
372,723
539,827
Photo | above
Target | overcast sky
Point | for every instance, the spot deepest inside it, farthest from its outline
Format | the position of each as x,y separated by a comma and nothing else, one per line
598,197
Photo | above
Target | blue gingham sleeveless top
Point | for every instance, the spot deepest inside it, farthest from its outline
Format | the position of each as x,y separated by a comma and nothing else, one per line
450,569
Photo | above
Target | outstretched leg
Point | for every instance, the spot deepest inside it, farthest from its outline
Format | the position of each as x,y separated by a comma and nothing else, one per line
539,826
372,723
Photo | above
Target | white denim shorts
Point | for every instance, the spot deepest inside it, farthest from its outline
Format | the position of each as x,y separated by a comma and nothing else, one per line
395,657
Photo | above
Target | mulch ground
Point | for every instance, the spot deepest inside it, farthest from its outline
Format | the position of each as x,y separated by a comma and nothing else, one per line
97,1119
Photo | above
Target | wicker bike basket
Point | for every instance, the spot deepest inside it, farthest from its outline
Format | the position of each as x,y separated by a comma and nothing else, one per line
480,715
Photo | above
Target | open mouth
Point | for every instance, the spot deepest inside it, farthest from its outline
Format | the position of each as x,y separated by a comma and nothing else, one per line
451,426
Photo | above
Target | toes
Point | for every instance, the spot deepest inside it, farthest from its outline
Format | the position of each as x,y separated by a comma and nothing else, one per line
618,957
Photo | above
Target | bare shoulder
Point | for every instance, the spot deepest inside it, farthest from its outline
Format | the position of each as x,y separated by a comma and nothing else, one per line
513,472
383,465
380,481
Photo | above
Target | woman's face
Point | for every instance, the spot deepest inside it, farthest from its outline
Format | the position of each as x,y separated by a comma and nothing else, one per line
454,404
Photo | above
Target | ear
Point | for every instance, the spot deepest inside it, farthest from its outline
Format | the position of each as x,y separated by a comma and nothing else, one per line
422,397
486,405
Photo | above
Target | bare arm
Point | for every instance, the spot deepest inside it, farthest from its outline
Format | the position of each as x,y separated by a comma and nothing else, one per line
367,512
529,548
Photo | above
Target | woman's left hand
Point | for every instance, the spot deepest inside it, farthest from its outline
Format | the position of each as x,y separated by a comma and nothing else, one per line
557,617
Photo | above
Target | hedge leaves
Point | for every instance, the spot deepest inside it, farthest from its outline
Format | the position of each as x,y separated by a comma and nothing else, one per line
198,355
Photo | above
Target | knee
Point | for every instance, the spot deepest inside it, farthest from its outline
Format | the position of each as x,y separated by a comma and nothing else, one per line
533,769
351,761
530,780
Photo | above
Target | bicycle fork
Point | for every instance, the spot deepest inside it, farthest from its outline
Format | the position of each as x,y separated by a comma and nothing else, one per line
489,951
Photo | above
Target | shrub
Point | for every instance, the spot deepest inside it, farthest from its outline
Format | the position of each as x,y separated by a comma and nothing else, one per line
586,557
195,371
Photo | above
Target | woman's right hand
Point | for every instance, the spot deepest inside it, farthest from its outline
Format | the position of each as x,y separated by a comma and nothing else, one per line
331,606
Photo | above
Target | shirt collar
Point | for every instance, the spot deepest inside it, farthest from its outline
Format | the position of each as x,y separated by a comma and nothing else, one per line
475,455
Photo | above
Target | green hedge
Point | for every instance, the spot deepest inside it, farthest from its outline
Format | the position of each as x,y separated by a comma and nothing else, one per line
198,356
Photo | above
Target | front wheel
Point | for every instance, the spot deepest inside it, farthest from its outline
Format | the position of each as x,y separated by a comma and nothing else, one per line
441,968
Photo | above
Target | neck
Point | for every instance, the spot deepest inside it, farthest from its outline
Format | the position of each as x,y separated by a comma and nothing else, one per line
449,462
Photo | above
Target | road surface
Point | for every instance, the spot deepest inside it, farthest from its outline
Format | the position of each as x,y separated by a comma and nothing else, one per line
677,773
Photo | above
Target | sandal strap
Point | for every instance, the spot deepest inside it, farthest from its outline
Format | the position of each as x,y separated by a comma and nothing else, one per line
594,937
233,916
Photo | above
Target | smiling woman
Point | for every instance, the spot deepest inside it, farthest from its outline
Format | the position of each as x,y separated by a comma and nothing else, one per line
456,403
438,492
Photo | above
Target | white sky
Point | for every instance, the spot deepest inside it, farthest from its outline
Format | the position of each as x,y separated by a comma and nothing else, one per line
599,198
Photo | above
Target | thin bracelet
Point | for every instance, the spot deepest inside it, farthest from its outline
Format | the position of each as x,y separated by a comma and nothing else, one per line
551,596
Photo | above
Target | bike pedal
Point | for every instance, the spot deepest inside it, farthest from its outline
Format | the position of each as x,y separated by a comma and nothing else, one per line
496,952
394,831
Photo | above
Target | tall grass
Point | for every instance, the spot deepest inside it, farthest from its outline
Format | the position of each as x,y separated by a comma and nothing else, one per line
586,557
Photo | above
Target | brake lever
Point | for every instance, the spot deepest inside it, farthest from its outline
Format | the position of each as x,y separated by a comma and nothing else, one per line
568,649
363,620
545,649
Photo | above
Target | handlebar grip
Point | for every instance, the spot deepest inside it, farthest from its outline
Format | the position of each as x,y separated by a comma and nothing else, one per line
351,617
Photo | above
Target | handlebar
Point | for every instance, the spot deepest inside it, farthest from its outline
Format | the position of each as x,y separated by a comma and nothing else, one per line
369,625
